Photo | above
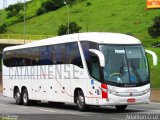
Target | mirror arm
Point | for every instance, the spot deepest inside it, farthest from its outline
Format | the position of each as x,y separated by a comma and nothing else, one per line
154,56
100,56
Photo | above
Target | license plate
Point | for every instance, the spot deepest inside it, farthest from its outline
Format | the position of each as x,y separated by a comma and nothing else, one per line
131,100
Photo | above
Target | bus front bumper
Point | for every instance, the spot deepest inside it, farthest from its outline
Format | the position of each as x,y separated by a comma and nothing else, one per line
131,100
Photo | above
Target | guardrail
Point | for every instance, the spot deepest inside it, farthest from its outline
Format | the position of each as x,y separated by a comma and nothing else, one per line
22,36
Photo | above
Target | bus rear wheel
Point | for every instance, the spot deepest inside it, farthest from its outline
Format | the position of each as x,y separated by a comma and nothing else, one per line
25,98
18,97
121,107
80,101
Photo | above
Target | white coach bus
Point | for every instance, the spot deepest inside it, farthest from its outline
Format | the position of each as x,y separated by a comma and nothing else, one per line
83,68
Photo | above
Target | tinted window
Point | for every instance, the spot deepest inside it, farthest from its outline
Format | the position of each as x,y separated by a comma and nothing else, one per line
91,59
9,58
59,53
73,54
34,56
95,67
21,57
86,46
45,57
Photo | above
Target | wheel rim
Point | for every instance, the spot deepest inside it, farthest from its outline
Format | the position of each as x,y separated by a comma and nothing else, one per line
17,96
25,97
80,101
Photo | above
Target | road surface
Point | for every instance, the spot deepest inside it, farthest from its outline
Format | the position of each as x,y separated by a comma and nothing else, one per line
44,111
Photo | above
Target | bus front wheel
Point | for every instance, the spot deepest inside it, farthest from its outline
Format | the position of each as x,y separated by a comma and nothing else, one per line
80,101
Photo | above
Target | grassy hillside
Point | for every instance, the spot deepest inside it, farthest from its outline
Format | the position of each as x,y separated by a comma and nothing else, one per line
2,17
154,70
122,16
31,7
130,17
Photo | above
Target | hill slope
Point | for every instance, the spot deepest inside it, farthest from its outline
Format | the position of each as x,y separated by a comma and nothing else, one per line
129,17
31,7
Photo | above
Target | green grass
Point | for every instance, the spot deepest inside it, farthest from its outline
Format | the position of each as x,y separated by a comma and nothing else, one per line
31,7
154,70
112,16
2,17
122,16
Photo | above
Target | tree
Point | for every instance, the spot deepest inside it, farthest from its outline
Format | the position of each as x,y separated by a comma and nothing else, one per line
73,28
3,28
71,2
41,11
50,5
154,30
14,10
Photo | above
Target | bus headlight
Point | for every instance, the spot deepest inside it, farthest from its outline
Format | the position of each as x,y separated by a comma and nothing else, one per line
146,91
104,90
113,92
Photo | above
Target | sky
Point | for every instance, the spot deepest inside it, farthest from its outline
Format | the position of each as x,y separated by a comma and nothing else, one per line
9,2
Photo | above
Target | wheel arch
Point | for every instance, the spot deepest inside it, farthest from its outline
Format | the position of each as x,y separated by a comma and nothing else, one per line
76,92
23,87
14,90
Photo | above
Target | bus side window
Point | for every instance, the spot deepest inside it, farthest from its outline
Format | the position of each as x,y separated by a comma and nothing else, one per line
52,55
35,56
95,67
73,55
91,59
59,53
21,57
44,56
9,58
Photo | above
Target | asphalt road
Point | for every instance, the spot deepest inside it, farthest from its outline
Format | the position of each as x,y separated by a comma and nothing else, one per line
43,111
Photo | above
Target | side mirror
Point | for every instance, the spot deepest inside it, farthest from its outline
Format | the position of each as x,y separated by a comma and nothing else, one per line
100,56
154,56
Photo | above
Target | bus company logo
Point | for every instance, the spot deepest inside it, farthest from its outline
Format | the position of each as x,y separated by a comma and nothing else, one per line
45,72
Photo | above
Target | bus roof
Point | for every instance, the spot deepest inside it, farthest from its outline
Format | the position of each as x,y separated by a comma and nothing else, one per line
98,37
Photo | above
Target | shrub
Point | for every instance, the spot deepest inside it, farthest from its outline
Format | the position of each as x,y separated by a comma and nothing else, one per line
73,28
50,5
40,11
62,30
154,30
3,28
71,2
88,4
14,10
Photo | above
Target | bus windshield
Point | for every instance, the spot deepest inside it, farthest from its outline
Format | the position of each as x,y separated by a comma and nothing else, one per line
125,65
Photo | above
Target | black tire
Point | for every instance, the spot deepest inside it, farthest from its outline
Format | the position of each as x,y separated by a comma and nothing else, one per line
80,101
25,98
18,97
121,107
